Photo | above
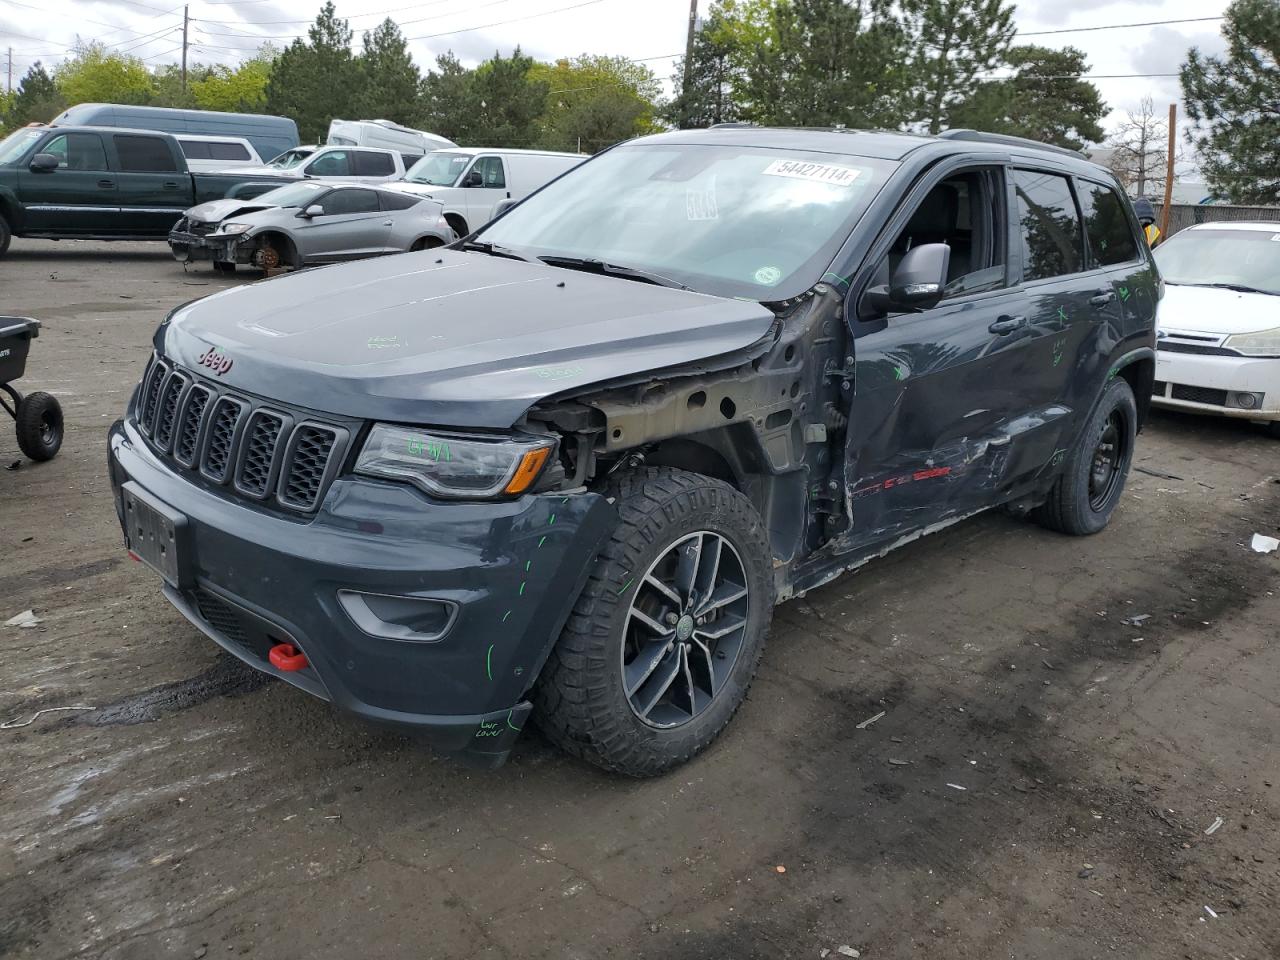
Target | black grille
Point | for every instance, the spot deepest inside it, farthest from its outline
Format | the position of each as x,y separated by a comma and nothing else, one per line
258,454
222,437
272,455
151,385
199,228
1199,394
167,409
222,617
187,442
1169,347
308,461
1159,388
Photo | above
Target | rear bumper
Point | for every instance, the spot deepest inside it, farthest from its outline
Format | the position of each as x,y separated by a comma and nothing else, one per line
189,247
1210,384
253,578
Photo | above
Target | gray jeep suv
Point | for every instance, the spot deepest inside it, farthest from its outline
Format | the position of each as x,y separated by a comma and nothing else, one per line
567,466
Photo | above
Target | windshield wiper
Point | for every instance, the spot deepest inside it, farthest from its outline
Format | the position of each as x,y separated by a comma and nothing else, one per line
1239,288
495,250
587,265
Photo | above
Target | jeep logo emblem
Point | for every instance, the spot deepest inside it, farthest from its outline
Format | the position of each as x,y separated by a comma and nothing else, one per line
218,362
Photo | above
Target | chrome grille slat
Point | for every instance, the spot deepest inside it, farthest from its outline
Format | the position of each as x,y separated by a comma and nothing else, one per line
262,452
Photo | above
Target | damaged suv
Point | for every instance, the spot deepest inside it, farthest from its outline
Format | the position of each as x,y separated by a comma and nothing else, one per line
568,466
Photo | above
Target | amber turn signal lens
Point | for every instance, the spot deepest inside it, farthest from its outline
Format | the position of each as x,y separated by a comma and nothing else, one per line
530,466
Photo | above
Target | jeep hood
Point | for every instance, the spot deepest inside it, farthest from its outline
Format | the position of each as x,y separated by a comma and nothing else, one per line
215,211
448,338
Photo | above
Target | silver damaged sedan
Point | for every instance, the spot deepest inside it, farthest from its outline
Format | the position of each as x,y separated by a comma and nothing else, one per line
308,223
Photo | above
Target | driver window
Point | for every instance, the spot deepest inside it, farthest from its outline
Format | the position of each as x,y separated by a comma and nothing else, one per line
334,164
78,151
965,212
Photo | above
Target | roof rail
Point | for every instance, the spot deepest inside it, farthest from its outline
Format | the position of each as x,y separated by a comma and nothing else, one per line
980,137
730,124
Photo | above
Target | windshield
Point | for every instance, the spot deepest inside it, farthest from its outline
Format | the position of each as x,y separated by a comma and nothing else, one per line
439,169
16,144
1244,258
754,222
294,195
290,159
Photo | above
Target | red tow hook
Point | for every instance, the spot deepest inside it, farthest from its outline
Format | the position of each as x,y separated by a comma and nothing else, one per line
285,656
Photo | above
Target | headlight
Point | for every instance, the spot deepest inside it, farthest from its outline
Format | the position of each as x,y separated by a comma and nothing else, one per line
451,465
1265,343
232,229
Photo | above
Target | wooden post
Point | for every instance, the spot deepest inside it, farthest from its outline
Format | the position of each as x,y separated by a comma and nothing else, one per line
1168,175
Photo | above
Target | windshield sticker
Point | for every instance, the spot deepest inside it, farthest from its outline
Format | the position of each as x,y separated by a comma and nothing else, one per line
820,172
700,204
1275,236
768,276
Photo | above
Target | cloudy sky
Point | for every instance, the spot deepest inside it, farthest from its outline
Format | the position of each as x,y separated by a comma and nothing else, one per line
650,30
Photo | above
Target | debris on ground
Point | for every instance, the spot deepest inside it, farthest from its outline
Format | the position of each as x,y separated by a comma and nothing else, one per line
14,724
956,786
26,619
1209,910
1215,826
847,951
899,763
1136,620
780,869
1157,473
870,720
1264,544
16,465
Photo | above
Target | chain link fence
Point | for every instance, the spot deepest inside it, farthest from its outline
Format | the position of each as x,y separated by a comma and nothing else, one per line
1183,215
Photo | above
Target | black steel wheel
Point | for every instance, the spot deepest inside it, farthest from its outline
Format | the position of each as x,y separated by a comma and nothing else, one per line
1093,475
39,426
666,635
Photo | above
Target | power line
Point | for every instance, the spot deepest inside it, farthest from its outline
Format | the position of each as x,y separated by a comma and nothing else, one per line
1115,26
500,23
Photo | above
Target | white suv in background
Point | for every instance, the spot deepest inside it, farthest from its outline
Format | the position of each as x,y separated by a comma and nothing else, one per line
349,164
1218,347
472,181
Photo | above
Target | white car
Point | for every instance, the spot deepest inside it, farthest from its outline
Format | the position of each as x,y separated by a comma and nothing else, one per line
346,164
1218,347
208,153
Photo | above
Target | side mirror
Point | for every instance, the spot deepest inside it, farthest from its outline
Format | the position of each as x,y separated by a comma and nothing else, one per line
503,206
44,163
919,282
315,210
473,179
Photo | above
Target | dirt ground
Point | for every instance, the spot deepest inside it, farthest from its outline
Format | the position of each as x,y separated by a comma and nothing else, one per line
1041,784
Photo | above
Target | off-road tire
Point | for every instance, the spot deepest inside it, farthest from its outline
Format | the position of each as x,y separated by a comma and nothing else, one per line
1068,508
39,426
579,702
6,235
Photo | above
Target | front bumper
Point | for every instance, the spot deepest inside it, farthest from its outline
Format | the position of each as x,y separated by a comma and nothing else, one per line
187,247
251,577
1210,384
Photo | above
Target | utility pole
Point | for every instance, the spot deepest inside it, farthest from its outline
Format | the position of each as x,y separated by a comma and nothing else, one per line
688,47
10,88
1168,179
184,48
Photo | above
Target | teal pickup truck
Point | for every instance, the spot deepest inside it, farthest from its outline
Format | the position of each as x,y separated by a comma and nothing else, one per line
104,183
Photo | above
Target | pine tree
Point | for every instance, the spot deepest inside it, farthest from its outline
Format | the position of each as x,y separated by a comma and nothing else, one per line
38,99
446,101
1235,104
594,101
715,75
508,102
389,77
955,41
315,80
1046,99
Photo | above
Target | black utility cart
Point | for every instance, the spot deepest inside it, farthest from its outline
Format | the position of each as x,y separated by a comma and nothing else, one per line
37,415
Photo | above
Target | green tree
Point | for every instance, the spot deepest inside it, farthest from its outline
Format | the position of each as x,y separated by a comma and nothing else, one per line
954,41
1234,102
446,99
824,62
499,103
716,72
168,89
593,102
389,78
239,90
315,80
1046,99
37,99
98,75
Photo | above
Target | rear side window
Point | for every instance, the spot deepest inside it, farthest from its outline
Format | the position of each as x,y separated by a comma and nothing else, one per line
1106,223
374,165
1051,236
398,201
144,154
194,149
228,151
78,151
350,201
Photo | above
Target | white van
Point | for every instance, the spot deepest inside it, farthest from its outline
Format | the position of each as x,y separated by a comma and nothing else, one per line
409,143
471,181
208,153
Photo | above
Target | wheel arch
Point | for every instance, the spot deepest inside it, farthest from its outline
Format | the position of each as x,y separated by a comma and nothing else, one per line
283,243
1138,369
458,222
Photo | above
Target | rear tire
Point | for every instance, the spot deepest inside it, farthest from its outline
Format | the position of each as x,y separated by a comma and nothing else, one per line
5,235
39,425
635,627
1092,480
224,267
